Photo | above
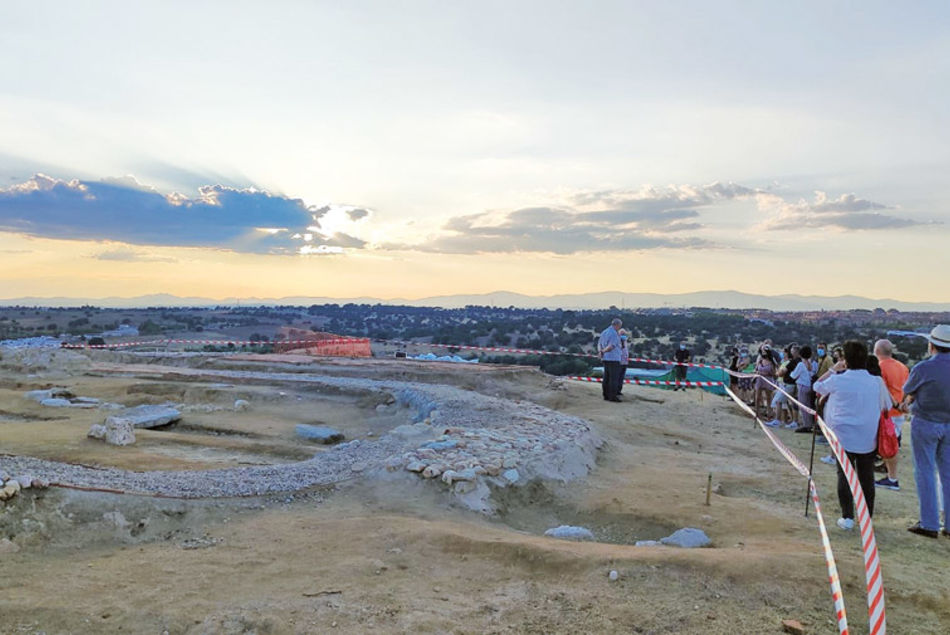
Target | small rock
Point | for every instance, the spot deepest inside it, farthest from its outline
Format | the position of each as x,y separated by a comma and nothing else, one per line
39,483
448,476
431,471
97,431
613,576
241,404
24,481
569,532
55,402
441,445
467,474
511,476
320,434
793,626
688,538
416,466
646,543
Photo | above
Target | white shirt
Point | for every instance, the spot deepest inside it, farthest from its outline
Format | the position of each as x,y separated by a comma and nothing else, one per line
855,401
802,373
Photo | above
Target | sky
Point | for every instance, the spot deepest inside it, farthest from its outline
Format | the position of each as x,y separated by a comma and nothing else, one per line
412,149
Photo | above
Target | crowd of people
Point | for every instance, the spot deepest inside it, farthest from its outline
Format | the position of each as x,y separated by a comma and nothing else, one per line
856,392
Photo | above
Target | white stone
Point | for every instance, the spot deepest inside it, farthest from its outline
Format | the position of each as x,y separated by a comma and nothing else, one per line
646,543
511,476
97,431
25,481
120,433
448,476
432,471
416,466
613,576
569,532
241,404
56,402
688,538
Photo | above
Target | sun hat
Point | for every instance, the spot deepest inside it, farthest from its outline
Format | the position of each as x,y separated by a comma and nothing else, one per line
940,336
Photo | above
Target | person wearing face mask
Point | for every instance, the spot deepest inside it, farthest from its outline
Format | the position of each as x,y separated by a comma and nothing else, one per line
624,359
683,356
825,361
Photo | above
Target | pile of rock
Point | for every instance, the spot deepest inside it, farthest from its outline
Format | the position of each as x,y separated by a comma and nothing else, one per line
491,443
10,486
60,397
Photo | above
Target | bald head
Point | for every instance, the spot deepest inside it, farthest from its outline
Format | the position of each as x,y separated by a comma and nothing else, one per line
883,349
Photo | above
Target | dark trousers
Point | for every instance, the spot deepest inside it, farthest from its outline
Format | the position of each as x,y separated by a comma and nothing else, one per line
611,374
621,375
864,465
679,373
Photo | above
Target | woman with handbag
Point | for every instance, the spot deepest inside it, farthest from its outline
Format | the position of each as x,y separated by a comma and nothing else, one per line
855,401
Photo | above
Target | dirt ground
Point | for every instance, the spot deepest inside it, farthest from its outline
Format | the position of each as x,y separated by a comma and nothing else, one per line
393,555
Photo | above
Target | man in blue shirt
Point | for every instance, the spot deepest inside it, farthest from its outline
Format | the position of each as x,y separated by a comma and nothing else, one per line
927,393
609,347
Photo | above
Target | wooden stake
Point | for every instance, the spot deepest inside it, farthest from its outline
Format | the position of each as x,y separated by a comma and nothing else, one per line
708,488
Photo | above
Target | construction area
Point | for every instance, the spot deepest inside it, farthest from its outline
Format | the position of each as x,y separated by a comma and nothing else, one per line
294,493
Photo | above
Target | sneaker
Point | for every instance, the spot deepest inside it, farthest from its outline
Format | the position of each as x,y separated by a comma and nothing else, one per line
921,531
888,483
791,425
803,429
828,460
821,440
848,524
774,423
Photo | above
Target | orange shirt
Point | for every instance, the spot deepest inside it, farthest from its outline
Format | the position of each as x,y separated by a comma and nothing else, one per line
895,376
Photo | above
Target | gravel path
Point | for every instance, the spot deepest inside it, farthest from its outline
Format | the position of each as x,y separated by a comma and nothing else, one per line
466,439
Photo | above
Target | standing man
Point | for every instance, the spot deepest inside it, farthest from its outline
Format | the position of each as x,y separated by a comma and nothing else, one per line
683,356
928,390
609,346
895,376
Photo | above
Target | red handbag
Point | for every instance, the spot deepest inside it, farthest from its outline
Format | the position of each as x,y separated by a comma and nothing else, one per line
887,446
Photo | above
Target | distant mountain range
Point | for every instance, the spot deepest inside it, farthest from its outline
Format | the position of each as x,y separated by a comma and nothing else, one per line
602,300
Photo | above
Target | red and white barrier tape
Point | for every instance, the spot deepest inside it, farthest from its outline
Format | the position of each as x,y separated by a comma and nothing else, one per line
218,343
464,347
833,579
872,563
651,382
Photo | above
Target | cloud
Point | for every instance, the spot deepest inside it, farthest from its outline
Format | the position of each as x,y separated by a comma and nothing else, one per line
357,213
847,211
560,231
597,220
124,210
129,255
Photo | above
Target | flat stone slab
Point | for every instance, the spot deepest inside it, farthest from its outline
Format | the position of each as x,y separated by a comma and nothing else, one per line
569,532
320,434
146,416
